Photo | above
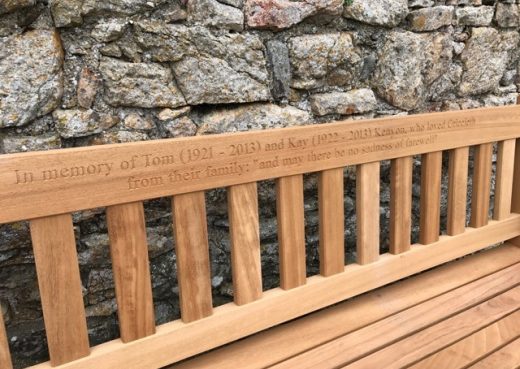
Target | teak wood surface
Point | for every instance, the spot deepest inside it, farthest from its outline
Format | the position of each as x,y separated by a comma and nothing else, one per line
46,187
38,184
295,338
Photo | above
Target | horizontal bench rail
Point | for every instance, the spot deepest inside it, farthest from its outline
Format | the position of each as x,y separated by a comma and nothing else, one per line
34,185
120,177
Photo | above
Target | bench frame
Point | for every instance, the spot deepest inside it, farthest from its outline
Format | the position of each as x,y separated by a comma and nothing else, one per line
46,187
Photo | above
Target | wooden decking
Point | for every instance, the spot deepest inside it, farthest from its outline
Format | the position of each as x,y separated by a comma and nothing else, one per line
466,315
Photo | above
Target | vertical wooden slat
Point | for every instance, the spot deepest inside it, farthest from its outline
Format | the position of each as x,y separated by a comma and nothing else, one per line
401,204
431,172
245,242
515,200
367,212
60,288
481,185
457,190
192,251
332,218
291,231
5,355
129,252
504,179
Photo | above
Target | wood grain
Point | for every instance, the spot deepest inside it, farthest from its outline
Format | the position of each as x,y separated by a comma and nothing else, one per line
504,179
277,305
306,333
457,190
332,218
401,204
515,201
431,171
199,163
411,349
505,358
5,354
291,231
473,348
245,242
367,212
57,268
356,345
191,247
129,252
481,185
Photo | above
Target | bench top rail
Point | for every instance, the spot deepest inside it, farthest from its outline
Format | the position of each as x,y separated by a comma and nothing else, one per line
39,184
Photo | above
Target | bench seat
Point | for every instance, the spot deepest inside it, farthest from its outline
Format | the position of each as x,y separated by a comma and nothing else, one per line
459,315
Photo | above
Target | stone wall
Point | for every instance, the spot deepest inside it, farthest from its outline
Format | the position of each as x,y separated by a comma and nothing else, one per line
87,72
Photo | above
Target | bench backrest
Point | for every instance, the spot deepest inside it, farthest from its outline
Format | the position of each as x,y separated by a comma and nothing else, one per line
45,187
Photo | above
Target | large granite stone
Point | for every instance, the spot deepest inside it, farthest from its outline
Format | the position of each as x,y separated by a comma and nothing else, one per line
430,19
344,103
214,14
66,12
145,85
279,63
388,13
209,69
7,6
485,59
408,64
80,123
119,7
281,14
251,117
31,76
507,15
475,16
13,144
325,59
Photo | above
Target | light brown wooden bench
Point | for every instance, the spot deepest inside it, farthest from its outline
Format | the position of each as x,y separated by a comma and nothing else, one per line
462,314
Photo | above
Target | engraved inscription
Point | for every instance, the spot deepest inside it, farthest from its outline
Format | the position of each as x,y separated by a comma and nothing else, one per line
190,164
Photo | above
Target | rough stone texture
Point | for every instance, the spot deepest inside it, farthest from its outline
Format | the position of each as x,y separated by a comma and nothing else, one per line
214,14
8,6
12,144
388,13
210,69
88,87
408,64
135,70
507,15
79,123
180,127
485,59
118,7
319,60
31,82
430,19
139,84
344,103
280,65
66,12
475,16
106,31
280,14
251,117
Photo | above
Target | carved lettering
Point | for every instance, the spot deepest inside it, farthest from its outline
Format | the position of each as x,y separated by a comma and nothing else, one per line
191,163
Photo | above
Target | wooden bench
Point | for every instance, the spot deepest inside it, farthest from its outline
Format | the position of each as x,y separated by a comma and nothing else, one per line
465,313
